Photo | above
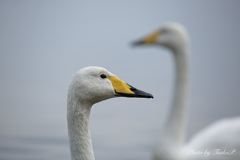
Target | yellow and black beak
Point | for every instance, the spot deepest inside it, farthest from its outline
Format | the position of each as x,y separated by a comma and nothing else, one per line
151,39
125,90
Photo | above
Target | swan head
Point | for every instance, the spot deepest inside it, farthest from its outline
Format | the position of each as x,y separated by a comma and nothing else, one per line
95,84
171,35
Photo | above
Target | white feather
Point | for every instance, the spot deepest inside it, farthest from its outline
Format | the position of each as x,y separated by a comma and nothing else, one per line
221,139
89,86
85,89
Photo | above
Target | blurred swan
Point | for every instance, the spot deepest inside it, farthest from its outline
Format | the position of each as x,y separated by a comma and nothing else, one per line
220,141
89,86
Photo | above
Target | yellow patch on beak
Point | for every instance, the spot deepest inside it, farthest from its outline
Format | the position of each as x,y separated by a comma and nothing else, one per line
120,86
152,38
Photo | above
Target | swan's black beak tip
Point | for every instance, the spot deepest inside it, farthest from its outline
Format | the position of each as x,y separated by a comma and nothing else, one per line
150,96
137,93
137,43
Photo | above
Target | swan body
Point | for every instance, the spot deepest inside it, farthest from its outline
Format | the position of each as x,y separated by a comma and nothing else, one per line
89,86
221,136
219,141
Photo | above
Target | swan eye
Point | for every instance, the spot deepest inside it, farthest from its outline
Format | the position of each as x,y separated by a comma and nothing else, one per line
164,31
103,76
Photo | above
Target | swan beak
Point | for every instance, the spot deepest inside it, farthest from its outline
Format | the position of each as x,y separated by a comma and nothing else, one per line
123,89
151,39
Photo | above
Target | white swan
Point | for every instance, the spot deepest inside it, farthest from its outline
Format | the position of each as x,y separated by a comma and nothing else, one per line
218,141
89,86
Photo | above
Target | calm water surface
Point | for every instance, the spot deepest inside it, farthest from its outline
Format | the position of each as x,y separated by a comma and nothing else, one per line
117,133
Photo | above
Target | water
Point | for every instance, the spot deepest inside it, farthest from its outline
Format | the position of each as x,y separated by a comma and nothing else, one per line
33,148
121,128
33,142
41,133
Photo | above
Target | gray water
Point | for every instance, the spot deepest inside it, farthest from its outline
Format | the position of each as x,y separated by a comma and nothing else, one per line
121,129
117,133
33,148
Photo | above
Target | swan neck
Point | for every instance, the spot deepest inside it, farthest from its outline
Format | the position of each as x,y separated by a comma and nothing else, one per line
176,121
78,131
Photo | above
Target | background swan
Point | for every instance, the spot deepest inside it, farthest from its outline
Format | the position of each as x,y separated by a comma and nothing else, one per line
218,141
89,86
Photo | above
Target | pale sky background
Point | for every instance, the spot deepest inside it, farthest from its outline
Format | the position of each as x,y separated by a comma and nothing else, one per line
42,43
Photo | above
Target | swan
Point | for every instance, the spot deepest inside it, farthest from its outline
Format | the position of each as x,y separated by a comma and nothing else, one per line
91,85
219,141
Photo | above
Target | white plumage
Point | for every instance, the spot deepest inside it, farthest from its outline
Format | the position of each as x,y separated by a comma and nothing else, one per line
219,141
89,86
